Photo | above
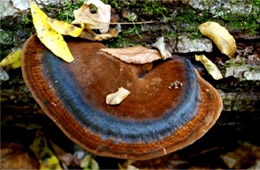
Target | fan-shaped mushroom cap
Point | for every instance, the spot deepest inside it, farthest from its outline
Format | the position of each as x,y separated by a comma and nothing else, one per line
157,118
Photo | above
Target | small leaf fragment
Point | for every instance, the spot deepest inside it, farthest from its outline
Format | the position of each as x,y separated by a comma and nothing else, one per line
99,20
220,36
117,97
160,45
128,165
110,34
136,55
48,36
64,28
89,163
210,66
90,35
3,75
13,59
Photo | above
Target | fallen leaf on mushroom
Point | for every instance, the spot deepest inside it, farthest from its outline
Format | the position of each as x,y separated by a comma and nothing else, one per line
50,30
160,45
210,66
13,59
64,28
220,36
99,20
91,35
136,55
48,36
117,97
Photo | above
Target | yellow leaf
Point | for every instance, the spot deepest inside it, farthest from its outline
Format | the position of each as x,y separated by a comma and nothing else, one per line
44,154
136,55
88,163
99,20
13,59
220,36
210,66
117,97
48,36
128,165
64,28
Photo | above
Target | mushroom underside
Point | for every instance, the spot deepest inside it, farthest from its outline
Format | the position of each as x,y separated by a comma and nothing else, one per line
170,105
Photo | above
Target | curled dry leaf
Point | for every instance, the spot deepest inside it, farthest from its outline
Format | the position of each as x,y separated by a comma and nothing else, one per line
90,35
99,20
160,45
210,66
135,55
13,59
117,97
220,36
64,28
48,36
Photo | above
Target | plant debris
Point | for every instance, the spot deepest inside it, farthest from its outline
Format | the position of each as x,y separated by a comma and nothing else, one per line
3,75
91,35
48,36
89,163
210,66
136,55
176,84
117,97
160,45
64,28
46,157
220,36
50,30
13,59
99,20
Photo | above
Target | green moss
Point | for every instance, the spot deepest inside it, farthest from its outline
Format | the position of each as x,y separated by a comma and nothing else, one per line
133,30
6,37
233,63
66,12
242,21
171,35
154,8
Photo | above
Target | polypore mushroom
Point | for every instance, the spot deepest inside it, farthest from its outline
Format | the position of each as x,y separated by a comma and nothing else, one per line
152,121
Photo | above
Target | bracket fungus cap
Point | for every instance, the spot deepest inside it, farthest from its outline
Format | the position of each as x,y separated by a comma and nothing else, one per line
169,108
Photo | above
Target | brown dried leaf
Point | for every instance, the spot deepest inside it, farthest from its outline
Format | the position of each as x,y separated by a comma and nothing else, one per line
99,20
210,66
136,55
15,156
220,36
117,97
160,45
90,35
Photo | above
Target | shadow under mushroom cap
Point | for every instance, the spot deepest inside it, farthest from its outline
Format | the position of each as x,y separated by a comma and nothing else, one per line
155,119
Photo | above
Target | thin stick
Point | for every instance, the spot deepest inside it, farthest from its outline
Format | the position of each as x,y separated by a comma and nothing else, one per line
132,23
